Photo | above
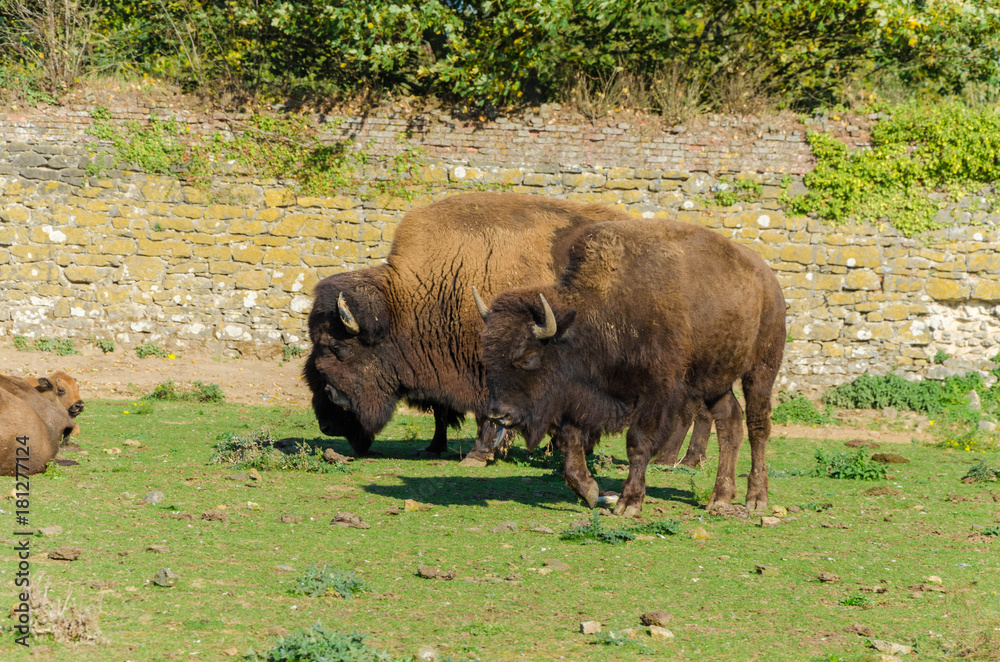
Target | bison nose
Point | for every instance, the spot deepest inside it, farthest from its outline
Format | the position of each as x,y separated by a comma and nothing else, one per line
501,416
337,398
76,408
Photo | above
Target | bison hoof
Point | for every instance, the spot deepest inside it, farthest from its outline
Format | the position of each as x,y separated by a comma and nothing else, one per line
756,504
628,509
474,461
591,494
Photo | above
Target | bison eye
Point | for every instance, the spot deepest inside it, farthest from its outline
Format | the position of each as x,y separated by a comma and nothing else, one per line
528,361
342,352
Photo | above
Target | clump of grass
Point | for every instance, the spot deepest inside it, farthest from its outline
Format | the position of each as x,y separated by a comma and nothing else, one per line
700,494
169,391
61,619
324,580
256,450
992,530
858,600
797,408
152,349
317,644
663,527
980,472
289,352
59,346
595,531
106,346
850,466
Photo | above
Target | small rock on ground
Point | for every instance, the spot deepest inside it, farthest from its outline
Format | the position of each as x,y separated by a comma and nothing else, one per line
50,531
765,570
154,498
556,564
700,534
769,522
350,520
538,528
828,577
890,458
658,618
890,648
658,633
505,527
860,443
590,627
289,519
333,457
430,572
412,505
165,577
65,553
159,549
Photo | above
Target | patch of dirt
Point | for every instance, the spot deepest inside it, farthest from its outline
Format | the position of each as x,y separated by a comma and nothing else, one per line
122,375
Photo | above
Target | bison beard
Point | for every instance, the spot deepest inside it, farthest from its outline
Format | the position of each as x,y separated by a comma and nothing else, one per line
407,330
650,321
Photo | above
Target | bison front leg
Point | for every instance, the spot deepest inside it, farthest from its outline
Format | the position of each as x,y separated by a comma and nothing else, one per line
439,443
575,471
728,424
490,439
640,445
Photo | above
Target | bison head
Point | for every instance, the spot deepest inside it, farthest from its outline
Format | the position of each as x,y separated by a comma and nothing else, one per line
354,396
60,388
525,351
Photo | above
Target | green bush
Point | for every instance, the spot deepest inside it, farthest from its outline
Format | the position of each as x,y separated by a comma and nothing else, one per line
324,580
981,473
797,408
256,450
850,466
59,346
106,346
199,392
317,644
151,349
879,392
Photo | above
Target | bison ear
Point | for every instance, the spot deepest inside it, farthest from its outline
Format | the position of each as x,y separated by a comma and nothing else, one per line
44,385
564,322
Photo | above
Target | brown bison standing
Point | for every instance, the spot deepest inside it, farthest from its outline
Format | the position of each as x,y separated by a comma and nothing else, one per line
649,320
408,329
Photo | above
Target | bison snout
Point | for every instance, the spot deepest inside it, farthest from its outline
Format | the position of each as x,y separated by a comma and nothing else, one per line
337,398
76,408
502,417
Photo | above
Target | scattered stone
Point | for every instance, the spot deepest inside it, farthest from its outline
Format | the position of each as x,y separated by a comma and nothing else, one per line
765,570
987,426
154,498
277,631
768,522
700,534
73,463
412,505
860,630
165,577
242,478
544,571
427,654
934,579
350,520
860,443
889,458
828,577
474,462
834,525
505,527
113,451
779,511
794,509
973,400
890,648
556,565
926,588
658,633
590,627
733,510
50,531
215,515
254,475
65,553
393,511
289,519
659,618
538,528
628,633
607,500
132,442
430,572
333,457
232,651
284,568
159,549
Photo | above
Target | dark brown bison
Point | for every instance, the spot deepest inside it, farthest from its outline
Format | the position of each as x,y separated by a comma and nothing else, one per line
407,329
24,412
649,320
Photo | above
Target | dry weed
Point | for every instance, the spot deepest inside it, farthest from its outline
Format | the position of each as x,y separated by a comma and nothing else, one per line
62,620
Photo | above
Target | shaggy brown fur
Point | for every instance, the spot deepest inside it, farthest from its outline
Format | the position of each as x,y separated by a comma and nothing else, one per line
651,318
418,327
25,412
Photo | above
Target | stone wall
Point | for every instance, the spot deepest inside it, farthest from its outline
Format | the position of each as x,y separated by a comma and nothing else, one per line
139,258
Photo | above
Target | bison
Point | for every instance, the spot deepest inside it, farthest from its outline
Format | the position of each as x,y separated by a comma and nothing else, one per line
406,330
60,388
24,412
649,320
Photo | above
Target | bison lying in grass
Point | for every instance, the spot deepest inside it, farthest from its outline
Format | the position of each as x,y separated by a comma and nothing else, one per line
25,412
649,320
408,330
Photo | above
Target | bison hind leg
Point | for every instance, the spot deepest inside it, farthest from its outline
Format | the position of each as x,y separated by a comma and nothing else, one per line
728,417
444,418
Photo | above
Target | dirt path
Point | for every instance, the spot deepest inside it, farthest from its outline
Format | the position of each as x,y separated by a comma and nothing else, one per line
122,375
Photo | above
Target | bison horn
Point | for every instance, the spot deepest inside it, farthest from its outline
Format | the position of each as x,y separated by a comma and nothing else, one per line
484,311
346,317
549,330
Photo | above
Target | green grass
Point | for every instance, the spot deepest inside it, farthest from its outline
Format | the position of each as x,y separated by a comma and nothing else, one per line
238,572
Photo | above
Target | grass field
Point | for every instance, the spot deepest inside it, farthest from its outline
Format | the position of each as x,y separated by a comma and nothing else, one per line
221,531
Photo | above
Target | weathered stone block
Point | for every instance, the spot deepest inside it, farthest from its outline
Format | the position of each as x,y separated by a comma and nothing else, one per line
984,261
76,274
241,226
815,330
944,289
857,279
284,197
225,212
134,268
163,248
282,256
247,253
986,289
855,256
252,279
161,189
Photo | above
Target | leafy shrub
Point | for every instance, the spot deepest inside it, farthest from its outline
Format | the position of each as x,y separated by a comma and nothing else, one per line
59,346
992,530
288,352
742,190
256,450
317,644
858,600
169,391
797,408
595,531
940,357
151,349
851,466
324,580
663,527
106,346
616,638
879,392
981,473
